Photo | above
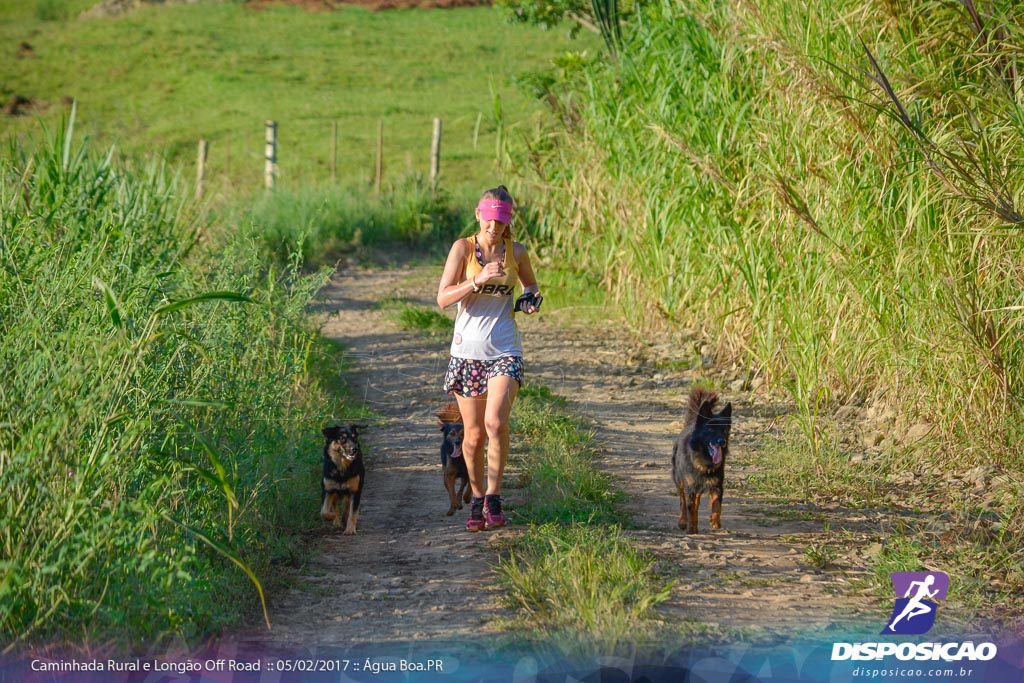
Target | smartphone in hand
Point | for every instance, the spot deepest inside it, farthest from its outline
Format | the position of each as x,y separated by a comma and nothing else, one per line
529,298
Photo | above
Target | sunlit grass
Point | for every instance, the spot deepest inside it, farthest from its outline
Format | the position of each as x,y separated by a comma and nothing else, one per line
830,197
574,578
583,587
219,70
160,421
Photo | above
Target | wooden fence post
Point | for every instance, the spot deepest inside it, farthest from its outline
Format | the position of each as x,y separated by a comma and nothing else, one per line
380,154
435,155
204,148
270,155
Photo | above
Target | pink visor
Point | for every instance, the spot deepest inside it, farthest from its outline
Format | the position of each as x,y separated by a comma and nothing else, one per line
495,210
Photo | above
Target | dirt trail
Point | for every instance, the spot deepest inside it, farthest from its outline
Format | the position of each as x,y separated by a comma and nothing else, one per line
410,572
752,577
413,573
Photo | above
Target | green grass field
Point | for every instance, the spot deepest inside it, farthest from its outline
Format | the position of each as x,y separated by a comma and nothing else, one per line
831,199
195,380
160,78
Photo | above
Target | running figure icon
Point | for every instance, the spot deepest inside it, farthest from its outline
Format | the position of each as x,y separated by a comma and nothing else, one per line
916,606
920,591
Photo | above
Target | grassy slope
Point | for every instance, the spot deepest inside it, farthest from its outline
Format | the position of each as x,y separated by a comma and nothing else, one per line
159,408
160,78
742,173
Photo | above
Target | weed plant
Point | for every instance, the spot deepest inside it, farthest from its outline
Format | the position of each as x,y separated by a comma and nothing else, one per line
157,415
831,196
52,10
423,319
563,483
583,588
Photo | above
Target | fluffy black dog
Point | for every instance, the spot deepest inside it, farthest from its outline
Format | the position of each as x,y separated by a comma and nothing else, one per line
698,458
344,476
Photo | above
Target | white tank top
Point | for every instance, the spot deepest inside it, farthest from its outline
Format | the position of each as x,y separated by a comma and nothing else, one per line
485,326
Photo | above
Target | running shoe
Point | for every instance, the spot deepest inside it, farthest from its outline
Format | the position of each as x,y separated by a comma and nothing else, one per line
493,515
476,520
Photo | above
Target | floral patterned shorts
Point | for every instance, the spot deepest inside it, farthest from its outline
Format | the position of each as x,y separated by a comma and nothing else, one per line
467,377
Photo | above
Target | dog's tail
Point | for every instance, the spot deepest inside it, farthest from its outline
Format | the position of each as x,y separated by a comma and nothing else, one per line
449,414
702,402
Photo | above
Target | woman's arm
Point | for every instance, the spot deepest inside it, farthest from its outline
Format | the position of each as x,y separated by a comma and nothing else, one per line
526,275
453,288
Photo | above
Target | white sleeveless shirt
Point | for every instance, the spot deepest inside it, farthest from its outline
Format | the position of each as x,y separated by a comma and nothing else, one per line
485,325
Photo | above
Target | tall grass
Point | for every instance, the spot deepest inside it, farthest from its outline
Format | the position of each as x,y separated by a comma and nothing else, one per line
52,10
829,194
155,412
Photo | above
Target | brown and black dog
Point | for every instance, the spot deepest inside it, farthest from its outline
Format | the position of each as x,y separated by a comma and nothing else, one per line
698,458
453,464
344,476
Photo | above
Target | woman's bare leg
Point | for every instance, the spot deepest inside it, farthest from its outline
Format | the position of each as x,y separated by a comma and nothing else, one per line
501,393
473,413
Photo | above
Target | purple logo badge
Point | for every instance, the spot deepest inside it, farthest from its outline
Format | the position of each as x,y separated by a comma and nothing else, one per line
916,596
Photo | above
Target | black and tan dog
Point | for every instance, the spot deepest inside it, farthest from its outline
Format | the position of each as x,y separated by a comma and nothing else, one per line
453,464
344,476
698,458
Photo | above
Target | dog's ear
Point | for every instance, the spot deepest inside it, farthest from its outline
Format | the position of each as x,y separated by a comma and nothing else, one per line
724,417
331,432
705,413
355,429
450,413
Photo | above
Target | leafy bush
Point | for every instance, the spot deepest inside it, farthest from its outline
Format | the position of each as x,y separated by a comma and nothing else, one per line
327,221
